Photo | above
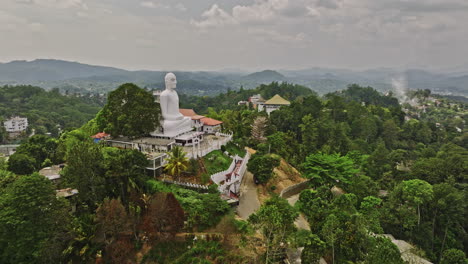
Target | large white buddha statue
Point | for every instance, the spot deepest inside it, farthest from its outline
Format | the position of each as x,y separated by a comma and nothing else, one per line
173,123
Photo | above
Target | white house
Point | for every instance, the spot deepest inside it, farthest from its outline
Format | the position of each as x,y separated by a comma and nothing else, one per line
210,125
16,124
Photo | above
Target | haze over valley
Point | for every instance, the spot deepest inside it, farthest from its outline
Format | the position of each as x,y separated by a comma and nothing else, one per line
83,78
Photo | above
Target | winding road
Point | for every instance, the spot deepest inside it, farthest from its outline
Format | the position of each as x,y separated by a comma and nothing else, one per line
248,202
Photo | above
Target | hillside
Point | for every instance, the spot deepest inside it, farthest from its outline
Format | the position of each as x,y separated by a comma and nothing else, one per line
52,70
265,76
78,77
47,111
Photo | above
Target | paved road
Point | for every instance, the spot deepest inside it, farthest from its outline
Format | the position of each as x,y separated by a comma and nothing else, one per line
300,222
248,202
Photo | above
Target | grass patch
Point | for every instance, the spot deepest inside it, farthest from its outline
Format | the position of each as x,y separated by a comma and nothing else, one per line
235,150
216,161
165,252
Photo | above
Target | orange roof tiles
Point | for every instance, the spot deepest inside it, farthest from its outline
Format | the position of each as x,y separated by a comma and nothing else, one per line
187,112
210,121
100,135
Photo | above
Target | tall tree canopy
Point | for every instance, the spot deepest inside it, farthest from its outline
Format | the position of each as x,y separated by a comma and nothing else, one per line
130,111
31,217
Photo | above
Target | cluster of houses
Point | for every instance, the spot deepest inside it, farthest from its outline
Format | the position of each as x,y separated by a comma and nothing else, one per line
268,106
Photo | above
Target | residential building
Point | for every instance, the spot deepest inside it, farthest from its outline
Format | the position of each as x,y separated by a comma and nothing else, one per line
16,124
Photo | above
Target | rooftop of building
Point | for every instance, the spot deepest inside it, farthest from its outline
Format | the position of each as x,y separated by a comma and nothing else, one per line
277,100
210,121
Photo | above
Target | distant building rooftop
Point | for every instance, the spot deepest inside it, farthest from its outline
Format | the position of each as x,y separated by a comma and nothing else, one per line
51,173
277,100
100,135
68,192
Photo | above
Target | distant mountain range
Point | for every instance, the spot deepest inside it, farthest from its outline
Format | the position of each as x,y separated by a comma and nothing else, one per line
78,77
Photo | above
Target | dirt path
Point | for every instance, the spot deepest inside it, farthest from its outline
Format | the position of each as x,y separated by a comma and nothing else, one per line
248,202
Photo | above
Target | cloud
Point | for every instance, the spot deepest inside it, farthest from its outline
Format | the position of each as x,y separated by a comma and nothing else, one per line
180,7
261,11
63,4
152,4
149,4
214,17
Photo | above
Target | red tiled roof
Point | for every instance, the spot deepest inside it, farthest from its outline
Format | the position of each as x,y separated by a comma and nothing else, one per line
100,135
187,112
210,121
196,117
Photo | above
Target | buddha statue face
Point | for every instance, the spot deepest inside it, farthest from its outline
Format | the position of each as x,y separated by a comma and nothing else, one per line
171,81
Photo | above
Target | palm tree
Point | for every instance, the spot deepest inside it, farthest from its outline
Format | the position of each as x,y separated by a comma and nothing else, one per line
177,162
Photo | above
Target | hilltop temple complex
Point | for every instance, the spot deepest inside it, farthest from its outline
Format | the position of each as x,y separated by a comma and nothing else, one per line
196,134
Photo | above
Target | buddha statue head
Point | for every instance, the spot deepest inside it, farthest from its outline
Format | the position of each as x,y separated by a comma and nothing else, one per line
171,81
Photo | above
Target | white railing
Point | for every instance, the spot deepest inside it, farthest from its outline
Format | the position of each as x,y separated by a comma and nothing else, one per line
216,145
235,179
221,176
243,167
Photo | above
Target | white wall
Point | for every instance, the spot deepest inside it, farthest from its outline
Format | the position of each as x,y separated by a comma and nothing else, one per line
16,124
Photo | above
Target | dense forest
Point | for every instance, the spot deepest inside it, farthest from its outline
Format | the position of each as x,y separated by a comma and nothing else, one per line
374,166
47,111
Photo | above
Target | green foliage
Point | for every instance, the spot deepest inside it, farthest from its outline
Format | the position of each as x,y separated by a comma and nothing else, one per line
368,95
314,248
84,171
6,177
177,162
275,219
130,111
33,222
229,100
21,164
383,251
262,166
329,169
203,210
216,161
203,252
233,150
417,191
453,256
47,109
40,148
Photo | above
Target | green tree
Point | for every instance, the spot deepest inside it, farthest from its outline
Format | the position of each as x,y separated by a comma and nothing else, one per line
177,162
309,132
124,169
85,172
275,219
40,148
21,164
262,167
454,256
383,251
314,248
329,169
331,231
370,209
130,111
417,192
32,219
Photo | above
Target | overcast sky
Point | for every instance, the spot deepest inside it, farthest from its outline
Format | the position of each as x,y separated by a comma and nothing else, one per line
245,34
